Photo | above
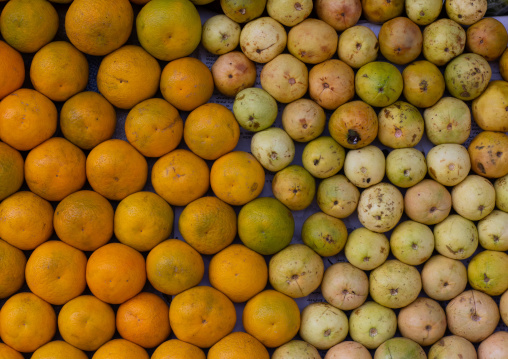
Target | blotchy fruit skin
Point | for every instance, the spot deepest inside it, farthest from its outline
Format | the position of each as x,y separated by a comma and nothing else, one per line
289,12
487,272
467,76
466,13
354,124
380,207
489,154
400,125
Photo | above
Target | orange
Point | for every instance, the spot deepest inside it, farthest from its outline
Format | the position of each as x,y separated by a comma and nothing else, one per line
12,70
173,266
144,320
59,70
154,127
272,318
265,225
201,316
55,168
58,349
176,349
238,345
115,273
115,169
238,272
86,322
139,2
12,172
6,352
28,25
128,76
55,271
186,83
28,119
12,269
211,130
84,220
27,322
87,119
208,224
237,177
169,29
180,177
120,348
26,220
97,27
143,220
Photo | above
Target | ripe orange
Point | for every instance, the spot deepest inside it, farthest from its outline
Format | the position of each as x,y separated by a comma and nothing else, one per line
6,352
98,27
55,168
12,172
180,177
238,272
28,25
87,119
211,130
12,269
115,273
59,70
237,177
173,266
115,169
12,70
27,322
144,320
26,220
201,316
271,317
86,322
186,83
120,348
58,349
128,76
28,119
84,220
208,224
55,271
143,220
238,345
176,349
154,127
169,29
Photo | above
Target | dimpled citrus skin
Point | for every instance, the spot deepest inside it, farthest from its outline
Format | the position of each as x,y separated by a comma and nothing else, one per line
98,27
169,29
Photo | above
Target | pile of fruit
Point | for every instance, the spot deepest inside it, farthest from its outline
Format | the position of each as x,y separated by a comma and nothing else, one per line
253,179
